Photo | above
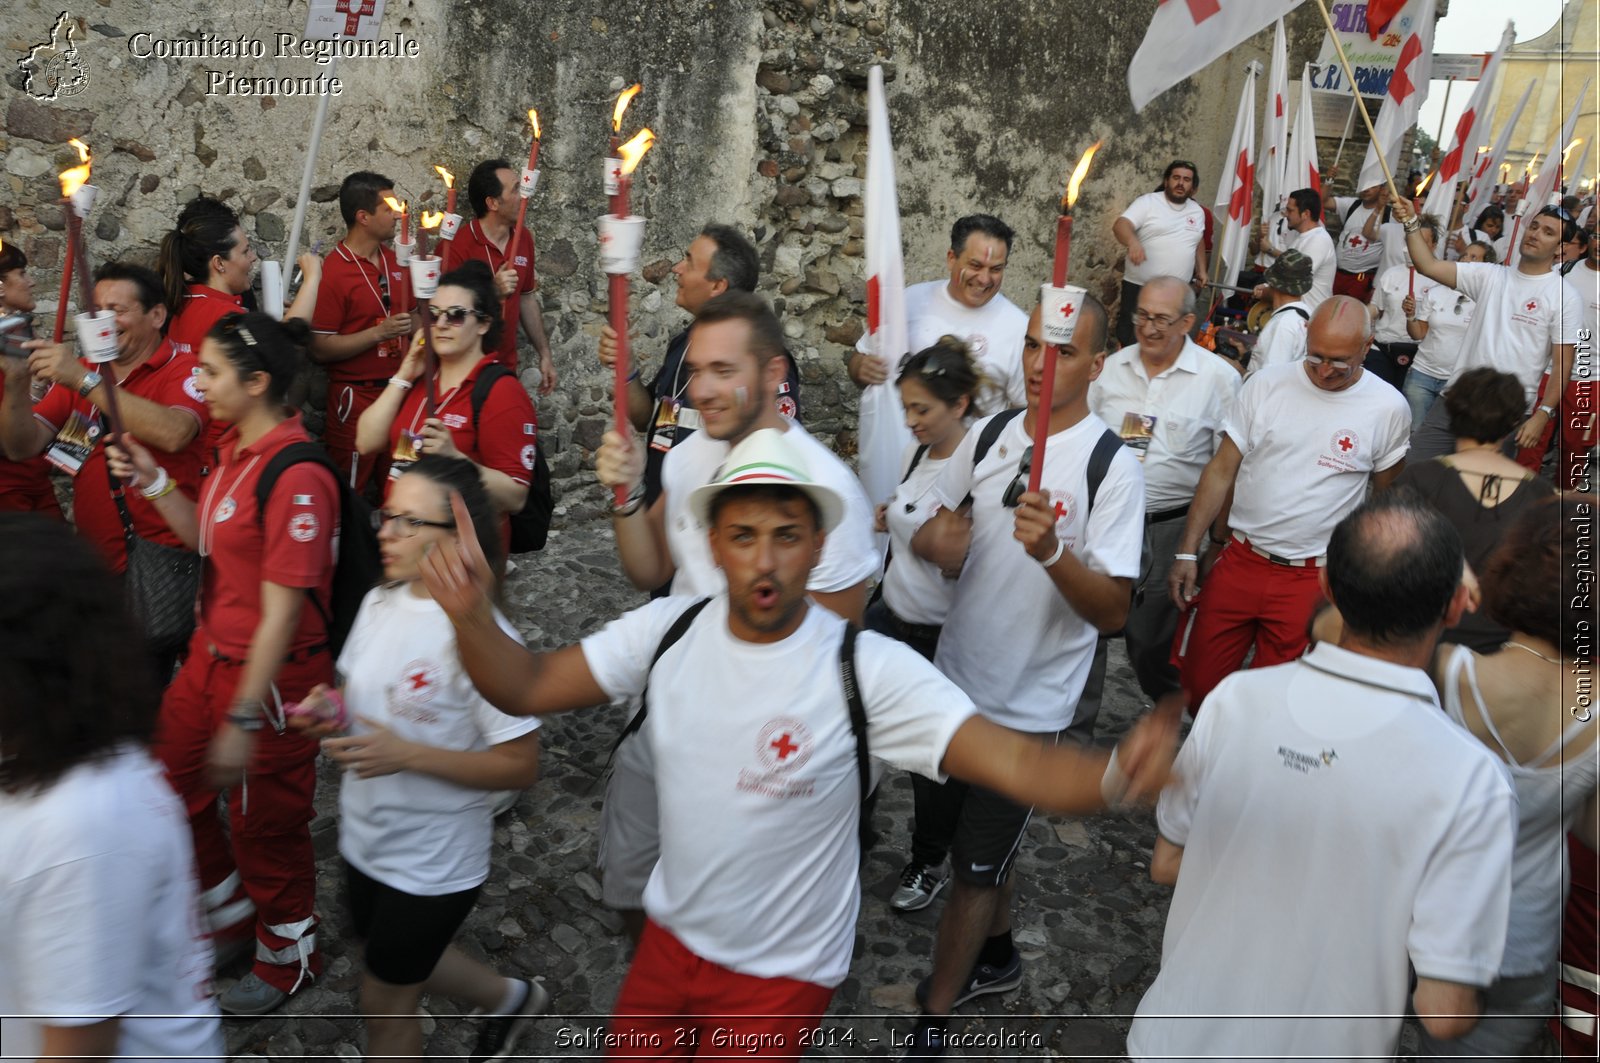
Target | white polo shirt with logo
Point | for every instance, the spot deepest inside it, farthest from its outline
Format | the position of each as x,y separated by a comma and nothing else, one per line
1308,455
994,333
1337,830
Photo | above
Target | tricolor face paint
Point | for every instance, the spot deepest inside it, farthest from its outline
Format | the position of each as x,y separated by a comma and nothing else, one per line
976,273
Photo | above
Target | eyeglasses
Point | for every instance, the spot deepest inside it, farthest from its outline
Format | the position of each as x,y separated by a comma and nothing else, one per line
1019,485
1461,301
1160,321
455,315
1317,360
408,525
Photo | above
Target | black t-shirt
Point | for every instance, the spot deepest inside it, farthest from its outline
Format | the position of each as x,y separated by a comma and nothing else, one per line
670,387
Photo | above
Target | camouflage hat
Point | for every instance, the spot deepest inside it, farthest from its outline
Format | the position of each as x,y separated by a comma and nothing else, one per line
1291,273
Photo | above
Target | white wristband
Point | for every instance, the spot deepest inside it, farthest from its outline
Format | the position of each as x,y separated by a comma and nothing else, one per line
401,383
157,487
1061,548
1186,557
1114,783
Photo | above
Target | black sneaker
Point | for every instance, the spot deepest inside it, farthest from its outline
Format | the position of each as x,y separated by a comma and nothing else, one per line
919,885
983,981
500,1033
927,1042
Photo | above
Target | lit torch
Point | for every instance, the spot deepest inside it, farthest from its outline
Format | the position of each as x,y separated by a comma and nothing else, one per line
526,187
429,219
621,238
400,208
452,220
613,171
73,181
97,330
1056,302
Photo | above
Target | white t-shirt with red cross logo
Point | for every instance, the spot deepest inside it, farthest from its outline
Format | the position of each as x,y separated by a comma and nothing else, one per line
757,779
414,832
1519,319
1169,235
1308,454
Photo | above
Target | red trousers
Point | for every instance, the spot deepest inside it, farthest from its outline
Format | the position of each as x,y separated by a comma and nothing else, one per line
1577,420
1579,988
346,403
267,877
676,1005
1355,285
1247,600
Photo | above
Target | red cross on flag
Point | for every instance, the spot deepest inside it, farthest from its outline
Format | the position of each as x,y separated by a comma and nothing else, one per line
1300,169
1488,174
1275,141
1546,183
1472,131
1236,191
1185,36
884,436
1408,87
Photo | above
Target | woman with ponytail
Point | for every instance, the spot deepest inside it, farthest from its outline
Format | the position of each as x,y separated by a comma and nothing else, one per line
260,643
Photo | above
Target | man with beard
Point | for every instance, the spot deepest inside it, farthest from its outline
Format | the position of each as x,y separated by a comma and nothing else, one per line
968,306
1307,235
1164,233
735,365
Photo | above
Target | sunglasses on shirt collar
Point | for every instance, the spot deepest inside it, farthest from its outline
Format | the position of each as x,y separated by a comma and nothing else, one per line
1019,485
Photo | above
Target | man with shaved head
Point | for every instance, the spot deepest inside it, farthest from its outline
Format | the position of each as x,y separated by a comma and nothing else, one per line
1299,449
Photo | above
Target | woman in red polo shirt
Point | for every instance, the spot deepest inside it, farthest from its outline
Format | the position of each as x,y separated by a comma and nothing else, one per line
499,437
24,485
259,643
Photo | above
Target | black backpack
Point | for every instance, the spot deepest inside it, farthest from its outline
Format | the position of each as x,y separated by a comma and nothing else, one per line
530,526
1105,448
358,567
852,697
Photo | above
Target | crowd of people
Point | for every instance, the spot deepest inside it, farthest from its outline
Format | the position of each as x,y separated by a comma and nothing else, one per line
1347,581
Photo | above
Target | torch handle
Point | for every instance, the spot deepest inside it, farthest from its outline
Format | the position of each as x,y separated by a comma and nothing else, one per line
430,360
617,297
113,412
66,290
75,239
1058,273
1041,427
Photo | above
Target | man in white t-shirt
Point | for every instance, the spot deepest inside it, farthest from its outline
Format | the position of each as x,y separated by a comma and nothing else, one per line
736,365
1303,443
1392,346
967,305
1578,408
1060,569
1168,398
1359,251
1303,211
1331,830
1526,323
1164,232
1283,338
753,904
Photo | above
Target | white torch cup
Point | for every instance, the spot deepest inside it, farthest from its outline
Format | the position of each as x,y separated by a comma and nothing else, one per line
528,184
449,227
1058,314
621,243
424,275
402,251
97,336
272,288
611,180
83,199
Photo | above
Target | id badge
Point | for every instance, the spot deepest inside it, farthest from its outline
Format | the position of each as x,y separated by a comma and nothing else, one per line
74,443
406,451
664,433
1137,431
689,419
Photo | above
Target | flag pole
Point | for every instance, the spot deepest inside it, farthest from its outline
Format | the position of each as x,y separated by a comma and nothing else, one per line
1366,119
1355,100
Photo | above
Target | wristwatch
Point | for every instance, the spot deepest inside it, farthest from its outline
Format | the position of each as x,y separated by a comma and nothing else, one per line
1548,411
90,381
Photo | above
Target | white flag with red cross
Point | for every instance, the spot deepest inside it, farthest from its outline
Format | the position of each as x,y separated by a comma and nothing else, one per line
1552,170
883,433
1408,87
1236,190
1275,144
1487,173
1472,132
1185,36
1301,169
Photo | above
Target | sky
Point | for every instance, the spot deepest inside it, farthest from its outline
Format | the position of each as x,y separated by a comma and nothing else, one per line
1475,26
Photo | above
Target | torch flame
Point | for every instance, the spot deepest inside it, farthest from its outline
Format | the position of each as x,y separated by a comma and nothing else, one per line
533,116
396,205
77,176
432,218
1529,170
1425,182
622,105
1568,150
449,178
1079,172
633,151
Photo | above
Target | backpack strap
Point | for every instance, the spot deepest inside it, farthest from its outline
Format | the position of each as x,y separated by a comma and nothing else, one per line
291,455
888,555
986,438
858,726
488,377
674,633
1305,314
1105,449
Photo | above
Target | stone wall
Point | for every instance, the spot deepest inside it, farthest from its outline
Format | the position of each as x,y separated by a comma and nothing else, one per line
760,105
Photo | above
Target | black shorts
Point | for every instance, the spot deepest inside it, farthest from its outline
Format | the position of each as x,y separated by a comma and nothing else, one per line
405,934
988,835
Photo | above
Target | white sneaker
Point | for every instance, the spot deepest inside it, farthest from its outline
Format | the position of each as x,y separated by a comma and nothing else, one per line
919,885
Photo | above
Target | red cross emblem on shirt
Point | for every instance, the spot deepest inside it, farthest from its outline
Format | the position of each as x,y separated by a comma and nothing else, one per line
1345,443
419,680
784,746
354,11
1200,10
1357,242
1061,510
1530,306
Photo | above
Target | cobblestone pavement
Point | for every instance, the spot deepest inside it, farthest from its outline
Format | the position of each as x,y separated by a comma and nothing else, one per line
1088,920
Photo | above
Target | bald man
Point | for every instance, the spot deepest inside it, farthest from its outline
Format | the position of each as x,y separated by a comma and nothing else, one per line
1298,451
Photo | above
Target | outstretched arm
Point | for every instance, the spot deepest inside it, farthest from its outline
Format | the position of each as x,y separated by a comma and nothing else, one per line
1422,256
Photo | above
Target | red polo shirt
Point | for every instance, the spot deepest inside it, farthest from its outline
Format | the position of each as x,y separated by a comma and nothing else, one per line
166,378
293,544
504,438
203,306
25,485
353,296
471,243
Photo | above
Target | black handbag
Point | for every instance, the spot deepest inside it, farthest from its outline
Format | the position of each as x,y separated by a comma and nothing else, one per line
161,583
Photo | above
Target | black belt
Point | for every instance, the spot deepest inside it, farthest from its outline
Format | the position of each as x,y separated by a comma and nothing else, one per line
293,657
1363,275
907,630
1167,514
362,383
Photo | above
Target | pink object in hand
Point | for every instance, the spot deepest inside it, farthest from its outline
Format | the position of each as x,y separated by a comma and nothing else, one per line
328,707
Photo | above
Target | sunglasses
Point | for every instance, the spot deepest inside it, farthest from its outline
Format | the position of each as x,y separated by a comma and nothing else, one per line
455,315
409,526
1019,485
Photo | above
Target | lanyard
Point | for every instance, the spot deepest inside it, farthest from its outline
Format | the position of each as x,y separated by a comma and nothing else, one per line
383,277
214,514
422,407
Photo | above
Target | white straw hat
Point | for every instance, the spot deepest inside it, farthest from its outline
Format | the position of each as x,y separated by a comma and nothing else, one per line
767,457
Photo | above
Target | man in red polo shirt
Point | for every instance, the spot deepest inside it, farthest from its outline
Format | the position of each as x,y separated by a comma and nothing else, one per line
360,330
156,397
491,189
